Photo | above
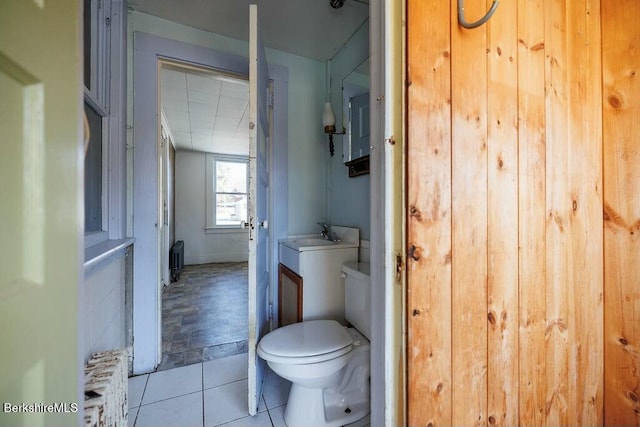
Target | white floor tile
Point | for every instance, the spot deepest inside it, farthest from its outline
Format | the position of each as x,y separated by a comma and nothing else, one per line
182,411
226,370
225,403
136,388
363,422
275,390
260,420
173,382
131,417
277,416
262,406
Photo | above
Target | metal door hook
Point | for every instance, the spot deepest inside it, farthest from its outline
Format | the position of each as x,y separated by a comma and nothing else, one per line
484,19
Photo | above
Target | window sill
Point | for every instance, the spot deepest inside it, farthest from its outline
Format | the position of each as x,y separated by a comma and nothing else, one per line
223,230
100,252
94,238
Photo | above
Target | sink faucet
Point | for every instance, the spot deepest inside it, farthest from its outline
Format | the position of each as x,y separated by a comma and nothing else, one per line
327,233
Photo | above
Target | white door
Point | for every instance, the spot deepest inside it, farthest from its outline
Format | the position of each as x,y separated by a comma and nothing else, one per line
163,234
258,197
163,208
41,168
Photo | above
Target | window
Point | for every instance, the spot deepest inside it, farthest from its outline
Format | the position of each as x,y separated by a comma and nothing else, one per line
97,33
93,173
227,180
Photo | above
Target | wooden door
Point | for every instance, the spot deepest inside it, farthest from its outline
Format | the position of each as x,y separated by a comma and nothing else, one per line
504,215
290,295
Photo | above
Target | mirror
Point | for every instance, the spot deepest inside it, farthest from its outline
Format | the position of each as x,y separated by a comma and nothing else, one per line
355,107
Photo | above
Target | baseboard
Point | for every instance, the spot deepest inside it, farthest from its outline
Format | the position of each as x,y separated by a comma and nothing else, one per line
211,258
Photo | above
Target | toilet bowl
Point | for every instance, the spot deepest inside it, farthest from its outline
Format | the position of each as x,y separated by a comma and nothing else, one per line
328,366
326,362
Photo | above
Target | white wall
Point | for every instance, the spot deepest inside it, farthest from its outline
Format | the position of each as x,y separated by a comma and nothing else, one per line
307,149
202,246
102,313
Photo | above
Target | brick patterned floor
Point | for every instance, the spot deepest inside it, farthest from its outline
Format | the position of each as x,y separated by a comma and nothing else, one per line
204,314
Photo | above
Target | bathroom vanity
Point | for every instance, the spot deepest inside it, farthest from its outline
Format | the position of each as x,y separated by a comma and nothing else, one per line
310,285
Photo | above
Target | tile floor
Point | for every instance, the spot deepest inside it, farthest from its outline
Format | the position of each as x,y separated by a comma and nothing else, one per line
205,314
207,394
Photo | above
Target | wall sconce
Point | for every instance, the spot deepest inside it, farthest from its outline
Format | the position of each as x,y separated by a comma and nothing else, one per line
329,123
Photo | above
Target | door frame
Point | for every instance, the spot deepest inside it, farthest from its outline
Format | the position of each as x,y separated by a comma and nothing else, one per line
388,207
148,51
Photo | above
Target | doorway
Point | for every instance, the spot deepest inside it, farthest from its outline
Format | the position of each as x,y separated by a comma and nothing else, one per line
205,120
148,49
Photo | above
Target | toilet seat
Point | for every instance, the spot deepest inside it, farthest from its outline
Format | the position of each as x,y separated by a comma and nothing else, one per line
306,342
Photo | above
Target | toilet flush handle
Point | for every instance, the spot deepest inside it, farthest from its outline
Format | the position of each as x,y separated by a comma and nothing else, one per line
343,275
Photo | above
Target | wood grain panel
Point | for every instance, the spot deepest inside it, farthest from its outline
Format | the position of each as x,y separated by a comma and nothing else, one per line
585,215
429,216
525,333
502,226
559,284
531,212
469,218
621,130
574,236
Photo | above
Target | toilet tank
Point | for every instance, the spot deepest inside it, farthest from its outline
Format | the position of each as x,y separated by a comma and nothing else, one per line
357,296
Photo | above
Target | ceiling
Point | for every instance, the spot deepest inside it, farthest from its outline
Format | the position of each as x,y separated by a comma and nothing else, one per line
309,28
208,112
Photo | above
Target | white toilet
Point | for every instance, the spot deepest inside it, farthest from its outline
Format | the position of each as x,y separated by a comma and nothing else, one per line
327,363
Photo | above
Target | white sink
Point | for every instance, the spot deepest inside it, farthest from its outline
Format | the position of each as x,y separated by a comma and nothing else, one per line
315,243
319,292
312,241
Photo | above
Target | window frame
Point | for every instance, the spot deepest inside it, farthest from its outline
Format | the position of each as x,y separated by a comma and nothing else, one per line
101,40
211,220
107,97
93,238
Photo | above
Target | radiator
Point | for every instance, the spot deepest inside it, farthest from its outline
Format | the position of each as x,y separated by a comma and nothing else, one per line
176,259
105,390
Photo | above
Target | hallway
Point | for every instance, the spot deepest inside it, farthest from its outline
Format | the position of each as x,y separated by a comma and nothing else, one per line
204,314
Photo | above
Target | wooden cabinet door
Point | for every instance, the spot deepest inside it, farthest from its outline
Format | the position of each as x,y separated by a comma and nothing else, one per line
289,296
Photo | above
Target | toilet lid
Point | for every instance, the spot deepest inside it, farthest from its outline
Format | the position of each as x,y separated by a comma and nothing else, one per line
309,338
